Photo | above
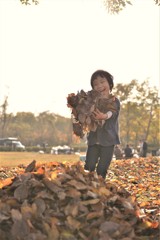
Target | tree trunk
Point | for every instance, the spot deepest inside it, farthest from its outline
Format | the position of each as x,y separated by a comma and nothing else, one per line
149,123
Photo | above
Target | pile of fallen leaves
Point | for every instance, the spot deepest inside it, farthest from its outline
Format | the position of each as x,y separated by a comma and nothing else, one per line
83,104
61,201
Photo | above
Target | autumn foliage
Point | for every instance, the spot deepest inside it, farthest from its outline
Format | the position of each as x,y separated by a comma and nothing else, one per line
82,106
61,201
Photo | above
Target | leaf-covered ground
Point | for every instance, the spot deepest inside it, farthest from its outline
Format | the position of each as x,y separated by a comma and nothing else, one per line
59,201
140,177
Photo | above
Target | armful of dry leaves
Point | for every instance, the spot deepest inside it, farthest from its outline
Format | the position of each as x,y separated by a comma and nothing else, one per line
82,106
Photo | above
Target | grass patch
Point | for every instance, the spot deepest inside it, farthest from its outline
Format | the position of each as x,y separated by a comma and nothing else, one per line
13,159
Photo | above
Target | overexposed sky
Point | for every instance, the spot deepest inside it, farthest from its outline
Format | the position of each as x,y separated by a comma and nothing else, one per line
50,50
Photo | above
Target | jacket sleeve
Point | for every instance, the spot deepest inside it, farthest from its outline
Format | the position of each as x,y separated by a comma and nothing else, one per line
116,113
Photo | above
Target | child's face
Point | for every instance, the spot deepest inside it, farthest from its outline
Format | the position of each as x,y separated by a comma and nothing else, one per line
101,85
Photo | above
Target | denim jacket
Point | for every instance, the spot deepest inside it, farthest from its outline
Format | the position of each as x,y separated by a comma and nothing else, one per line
108,134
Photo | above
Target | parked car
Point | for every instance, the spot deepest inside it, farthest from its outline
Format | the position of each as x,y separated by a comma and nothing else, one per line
18,145
12,144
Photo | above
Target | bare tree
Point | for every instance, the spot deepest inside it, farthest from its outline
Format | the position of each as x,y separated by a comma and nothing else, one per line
3,115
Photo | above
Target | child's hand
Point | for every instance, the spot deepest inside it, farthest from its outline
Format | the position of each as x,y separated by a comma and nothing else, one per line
99,115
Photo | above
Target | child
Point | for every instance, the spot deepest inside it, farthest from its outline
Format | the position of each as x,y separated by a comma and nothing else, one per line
102,141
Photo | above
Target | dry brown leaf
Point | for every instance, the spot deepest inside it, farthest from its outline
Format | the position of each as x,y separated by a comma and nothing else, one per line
91,201
109,227
104,191
73,193
71,209
73,223
78,185
21,192
6,182
51,186
92,215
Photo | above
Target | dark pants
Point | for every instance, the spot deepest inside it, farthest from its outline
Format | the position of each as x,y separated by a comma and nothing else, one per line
144,153
99,157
